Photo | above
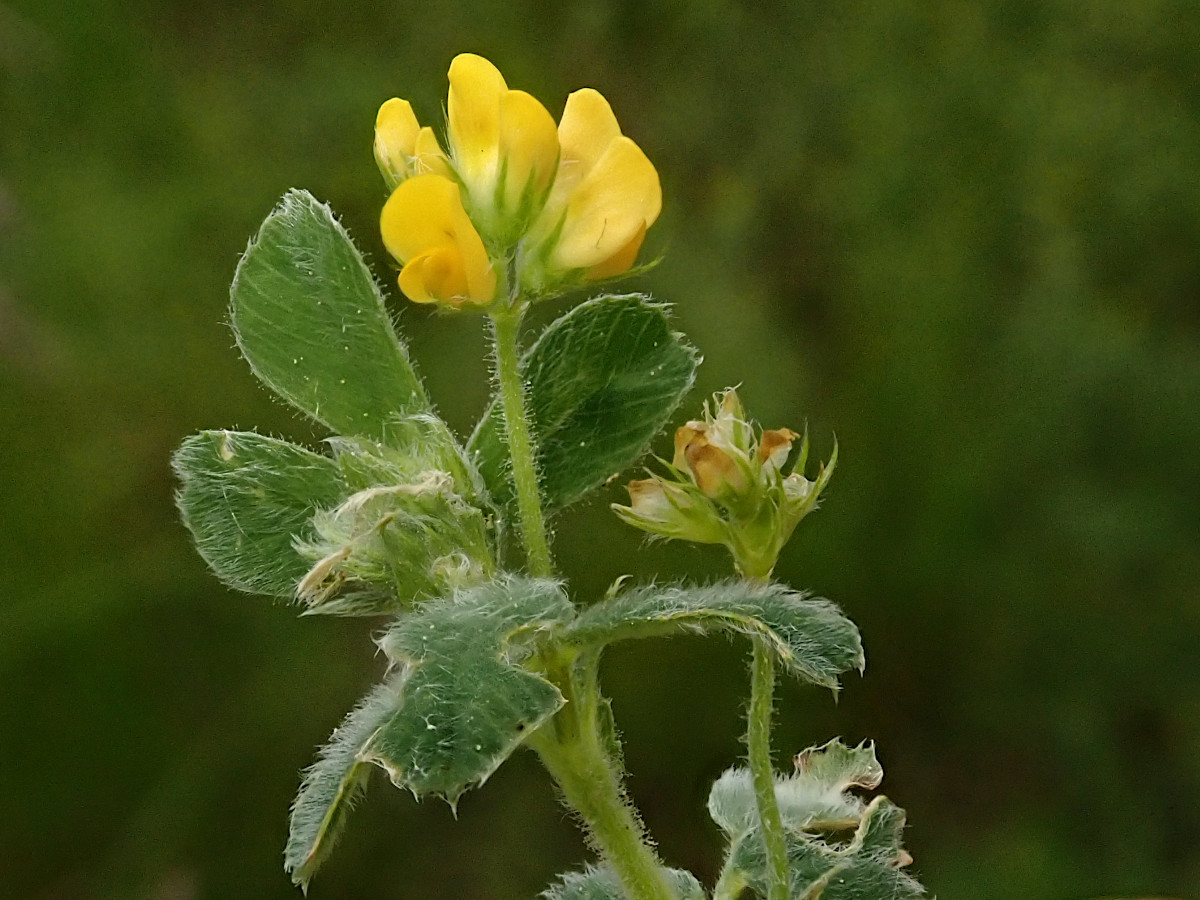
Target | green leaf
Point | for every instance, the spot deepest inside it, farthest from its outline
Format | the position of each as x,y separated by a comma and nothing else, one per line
333,784
815,797
818,811
811,638
602,381
869,867
602,883
468,704
247,499
311,321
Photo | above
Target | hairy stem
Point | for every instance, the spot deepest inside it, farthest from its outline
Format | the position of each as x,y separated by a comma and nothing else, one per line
506,326
758,744
574,750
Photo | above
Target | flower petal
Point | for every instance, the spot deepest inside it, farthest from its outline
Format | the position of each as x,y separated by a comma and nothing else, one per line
396,131
528,144
587,127
621,261
619,196
435,275
426,213
473,114
774,447
428,155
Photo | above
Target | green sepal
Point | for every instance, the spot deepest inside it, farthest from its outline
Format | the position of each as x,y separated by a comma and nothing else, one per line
247,498
602,381
468,703
310,320
334,783
602,883
811,638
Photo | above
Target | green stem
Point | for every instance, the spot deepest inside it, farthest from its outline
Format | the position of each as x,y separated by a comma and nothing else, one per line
506,325
758,743
573,748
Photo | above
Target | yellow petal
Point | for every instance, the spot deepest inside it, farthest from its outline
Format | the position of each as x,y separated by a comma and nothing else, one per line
587,127
473,114
427,154
433,276
396,130
426,213
621,261
528,146
620,195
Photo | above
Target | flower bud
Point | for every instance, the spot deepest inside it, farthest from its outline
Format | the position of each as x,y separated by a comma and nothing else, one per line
728,486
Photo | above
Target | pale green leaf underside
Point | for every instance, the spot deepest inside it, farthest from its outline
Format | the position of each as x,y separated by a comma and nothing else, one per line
811,638
333,783
816,796
602,381
467,705
246,498
311,321
602,883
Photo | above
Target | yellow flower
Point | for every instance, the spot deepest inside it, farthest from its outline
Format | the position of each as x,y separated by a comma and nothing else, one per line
503,143
560,204
426,228
606,193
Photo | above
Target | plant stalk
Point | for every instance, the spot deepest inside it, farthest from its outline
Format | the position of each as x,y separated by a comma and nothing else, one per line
573,748
758,744
506,325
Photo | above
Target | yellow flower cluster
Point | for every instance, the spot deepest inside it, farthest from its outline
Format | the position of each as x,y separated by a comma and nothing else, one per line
517,202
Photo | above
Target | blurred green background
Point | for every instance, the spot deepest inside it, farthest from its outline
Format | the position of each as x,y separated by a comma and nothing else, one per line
964,236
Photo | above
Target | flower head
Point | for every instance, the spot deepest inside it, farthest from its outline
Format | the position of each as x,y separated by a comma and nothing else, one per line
726,486
554,206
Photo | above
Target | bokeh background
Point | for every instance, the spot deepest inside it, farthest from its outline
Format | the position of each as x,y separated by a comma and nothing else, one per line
963,235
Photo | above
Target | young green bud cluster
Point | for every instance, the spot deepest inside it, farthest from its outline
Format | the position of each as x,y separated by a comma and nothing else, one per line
726,486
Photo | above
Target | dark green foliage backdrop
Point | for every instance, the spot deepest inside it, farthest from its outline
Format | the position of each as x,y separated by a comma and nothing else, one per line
964,235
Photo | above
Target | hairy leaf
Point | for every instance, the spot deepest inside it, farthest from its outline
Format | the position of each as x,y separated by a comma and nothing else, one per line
811,638
311,321
815,797
247,498
602,883
602,380
869,867
467,702
818,813
334,783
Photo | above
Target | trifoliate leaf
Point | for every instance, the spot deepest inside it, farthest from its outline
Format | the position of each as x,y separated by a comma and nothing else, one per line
602,883
334,783
467,702
811,638
602,380
311,322
247,498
